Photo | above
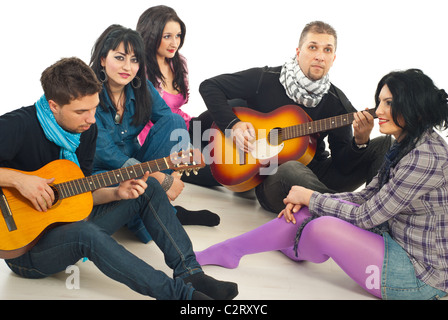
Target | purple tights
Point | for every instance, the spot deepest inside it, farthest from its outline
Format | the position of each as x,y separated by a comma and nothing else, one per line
357,251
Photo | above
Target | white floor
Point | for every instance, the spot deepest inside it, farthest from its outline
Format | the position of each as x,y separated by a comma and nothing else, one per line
266,276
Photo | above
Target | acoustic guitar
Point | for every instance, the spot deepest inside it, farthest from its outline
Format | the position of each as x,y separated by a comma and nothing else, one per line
22,225
284,134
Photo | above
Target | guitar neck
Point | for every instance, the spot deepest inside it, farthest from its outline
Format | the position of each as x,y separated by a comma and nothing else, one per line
105,179
313,127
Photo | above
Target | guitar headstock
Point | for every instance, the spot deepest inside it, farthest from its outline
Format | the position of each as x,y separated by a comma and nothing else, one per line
187,161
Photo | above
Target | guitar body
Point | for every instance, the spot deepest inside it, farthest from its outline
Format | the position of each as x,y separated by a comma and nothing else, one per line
21,225
239,171
32,223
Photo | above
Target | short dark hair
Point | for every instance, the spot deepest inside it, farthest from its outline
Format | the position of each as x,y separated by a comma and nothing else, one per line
318,27
69,79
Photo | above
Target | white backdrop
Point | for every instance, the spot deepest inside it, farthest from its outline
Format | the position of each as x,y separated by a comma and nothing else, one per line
375,37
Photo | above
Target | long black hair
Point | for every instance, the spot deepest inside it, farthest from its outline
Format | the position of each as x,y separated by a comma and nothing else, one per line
417,106
111,39
150,25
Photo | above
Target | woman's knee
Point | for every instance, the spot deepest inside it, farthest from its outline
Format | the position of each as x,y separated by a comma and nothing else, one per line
172,120
322,227
172,128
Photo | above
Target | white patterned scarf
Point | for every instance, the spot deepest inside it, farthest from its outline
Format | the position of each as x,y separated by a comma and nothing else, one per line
300,88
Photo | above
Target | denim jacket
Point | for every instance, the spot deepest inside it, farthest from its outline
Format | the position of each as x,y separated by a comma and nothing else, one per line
117,143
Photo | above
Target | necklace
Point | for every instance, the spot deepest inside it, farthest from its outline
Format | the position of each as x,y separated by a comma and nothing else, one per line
117,118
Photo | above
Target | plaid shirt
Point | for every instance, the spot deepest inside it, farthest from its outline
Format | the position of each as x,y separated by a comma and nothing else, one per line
414,202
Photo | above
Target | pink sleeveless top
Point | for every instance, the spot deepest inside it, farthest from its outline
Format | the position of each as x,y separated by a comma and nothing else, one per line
175,102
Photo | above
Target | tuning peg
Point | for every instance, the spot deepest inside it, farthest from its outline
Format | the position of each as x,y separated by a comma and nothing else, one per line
195,171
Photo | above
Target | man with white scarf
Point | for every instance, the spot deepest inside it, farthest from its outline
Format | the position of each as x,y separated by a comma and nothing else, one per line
352,159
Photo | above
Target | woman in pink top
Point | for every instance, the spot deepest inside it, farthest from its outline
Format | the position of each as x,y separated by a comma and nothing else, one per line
174,99
163,33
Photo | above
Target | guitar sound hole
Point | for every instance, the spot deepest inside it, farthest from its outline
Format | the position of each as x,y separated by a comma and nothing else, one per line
275,136
56,194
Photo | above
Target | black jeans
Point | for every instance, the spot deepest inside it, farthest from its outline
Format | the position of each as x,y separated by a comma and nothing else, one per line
321,176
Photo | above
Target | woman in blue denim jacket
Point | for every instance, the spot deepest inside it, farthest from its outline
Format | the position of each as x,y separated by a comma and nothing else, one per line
127,102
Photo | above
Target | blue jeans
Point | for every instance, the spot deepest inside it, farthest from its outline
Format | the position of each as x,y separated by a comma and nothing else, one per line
398,276
158,144
67,244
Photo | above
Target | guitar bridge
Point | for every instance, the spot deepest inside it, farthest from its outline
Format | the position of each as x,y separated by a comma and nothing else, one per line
6,212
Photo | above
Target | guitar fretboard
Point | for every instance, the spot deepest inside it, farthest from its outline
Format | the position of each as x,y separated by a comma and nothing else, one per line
105,179
312,127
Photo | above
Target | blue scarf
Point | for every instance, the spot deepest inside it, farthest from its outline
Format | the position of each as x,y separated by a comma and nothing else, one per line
68,142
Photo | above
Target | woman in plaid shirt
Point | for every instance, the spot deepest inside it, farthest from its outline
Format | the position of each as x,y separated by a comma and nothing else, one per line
391,237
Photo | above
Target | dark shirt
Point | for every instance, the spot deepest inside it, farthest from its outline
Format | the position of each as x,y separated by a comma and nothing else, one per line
263,92
23,145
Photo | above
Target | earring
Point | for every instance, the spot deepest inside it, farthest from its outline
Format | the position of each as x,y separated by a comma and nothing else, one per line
138,84
103,76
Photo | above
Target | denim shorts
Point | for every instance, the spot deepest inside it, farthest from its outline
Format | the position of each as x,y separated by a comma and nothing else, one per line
399,281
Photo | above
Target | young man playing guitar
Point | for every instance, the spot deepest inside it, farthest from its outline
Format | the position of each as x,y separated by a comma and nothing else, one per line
302,83
61,125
